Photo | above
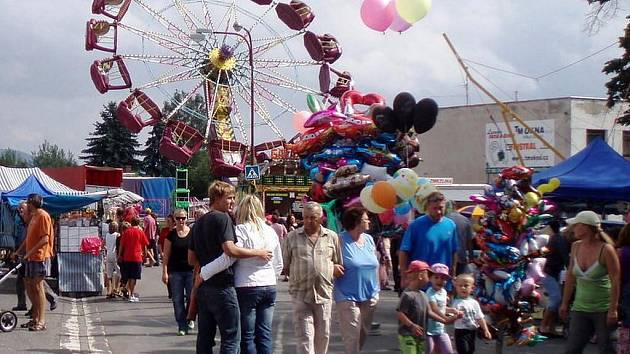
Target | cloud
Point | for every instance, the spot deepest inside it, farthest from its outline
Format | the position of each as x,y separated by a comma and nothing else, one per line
46,92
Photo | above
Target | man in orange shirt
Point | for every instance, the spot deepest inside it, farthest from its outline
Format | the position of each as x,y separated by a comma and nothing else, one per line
39,243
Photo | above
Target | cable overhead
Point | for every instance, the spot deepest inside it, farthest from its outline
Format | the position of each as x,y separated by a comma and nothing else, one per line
536,78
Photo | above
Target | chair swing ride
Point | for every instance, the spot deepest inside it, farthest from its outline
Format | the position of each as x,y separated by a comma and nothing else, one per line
203,47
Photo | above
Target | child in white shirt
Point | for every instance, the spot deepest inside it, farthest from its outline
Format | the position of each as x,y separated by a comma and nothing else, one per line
471,315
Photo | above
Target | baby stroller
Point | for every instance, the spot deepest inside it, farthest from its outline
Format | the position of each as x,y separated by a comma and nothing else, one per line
8,319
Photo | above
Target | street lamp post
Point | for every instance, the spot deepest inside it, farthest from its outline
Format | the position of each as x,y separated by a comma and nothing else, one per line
248,40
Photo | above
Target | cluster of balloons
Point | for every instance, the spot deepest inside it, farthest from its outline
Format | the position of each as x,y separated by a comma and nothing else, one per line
511,263
351,144
394,197
395,15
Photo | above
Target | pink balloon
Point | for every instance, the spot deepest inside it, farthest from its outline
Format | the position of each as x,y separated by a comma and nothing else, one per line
378,14
386,217
299,118
398,24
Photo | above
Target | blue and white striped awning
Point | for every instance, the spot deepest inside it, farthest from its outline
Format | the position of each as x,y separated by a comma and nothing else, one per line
11,178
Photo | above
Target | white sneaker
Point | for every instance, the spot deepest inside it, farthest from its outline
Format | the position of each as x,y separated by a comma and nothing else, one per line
133,299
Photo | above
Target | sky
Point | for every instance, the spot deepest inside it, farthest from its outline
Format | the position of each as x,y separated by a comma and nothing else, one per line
46,91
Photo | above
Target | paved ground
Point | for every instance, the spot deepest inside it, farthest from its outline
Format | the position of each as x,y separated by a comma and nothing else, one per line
96,325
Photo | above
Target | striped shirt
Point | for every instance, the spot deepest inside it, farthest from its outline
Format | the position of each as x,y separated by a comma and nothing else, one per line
310,264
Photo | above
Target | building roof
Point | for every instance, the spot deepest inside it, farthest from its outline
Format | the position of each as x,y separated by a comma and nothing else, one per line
530,100
11,178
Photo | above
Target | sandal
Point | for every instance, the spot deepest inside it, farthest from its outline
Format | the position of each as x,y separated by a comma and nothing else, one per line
38,327
27,324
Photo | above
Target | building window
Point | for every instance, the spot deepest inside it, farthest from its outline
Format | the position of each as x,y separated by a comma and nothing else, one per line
626,145
592,134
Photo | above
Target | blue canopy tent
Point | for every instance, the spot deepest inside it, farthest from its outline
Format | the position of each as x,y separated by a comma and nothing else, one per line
597,173
53,202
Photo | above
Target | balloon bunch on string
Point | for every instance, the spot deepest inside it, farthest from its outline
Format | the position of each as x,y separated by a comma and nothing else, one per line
395,15
359,141
511,262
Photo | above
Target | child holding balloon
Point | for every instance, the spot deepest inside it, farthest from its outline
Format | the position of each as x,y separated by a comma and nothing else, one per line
471,315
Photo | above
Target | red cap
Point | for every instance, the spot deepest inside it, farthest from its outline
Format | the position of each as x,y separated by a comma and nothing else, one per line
417,266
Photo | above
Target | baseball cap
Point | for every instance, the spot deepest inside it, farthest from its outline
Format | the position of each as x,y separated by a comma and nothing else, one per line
439,268
585,217
417,266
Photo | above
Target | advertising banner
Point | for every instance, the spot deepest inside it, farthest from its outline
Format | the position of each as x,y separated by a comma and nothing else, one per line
500,150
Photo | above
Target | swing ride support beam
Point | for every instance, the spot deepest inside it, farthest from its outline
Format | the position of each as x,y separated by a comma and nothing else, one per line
504,107
248,40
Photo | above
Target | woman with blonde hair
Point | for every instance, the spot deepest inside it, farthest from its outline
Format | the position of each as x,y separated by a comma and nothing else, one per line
254,278
594,274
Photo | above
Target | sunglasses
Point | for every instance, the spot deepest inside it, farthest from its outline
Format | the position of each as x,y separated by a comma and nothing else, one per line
180,218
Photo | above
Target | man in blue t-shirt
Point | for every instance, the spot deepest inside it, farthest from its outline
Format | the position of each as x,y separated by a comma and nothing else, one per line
430,238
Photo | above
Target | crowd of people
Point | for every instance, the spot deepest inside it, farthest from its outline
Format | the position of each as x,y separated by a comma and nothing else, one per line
222,270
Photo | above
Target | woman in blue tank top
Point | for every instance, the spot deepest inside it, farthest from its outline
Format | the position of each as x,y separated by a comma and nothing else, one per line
356,292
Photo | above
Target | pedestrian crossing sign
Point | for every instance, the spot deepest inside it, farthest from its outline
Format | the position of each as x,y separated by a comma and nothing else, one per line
252,172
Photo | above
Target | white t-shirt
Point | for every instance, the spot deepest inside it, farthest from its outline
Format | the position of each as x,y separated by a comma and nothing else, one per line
255,271
249,272
472,313
110,245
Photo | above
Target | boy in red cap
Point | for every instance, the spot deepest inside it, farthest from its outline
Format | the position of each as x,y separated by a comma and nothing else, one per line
414,310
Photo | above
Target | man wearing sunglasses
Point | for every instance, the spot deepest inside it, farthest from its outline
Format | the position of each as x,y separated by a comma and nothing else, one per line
430,238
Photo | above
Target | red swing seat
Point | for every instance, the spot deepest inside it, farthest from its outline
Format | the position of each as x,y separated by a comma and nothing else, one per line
114,9
296,14
224,155
322,48
132,112
98,36
110,74
180,141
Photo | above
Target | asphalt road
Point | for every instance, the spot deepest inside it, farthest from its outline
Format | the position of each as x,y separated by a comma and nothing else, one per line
99,325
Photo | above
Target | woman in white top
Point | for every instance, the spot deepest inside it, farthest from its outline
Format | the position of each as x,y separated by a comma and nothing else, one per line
254,278
112,271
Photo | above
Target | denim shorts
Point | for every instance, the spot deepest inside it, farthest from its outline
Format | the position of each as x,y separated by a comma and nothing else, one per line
36,269
554,294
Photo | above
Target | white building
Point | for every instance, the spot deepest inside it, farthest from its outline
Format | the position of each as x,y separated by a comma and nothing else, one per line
471,143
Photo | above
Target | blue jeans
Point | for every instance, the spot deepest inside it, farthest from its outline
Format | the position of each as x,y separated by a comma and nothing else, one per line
256,304
218,307
180,284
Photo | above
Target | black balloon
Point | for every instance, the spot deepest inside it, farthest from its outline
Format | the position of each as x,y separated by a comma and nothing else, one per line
403,106
384,118
424,115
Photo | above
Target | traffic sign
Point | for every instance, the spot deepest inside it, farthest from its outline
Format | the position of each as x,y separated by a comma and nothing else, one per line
252,172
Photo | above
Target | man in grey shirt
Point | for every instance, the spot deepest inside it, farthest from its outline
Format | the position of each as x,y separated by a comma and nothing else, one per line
464,237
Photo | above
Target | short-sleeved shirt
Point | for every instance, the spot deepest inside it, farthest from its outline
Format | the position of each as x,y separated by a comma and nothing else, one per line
472,313
150,227
430,241
414,304
209,234
311,265
132,243
39,226
280,230
359,282
464,234
110,244
558,257
440,298
178,259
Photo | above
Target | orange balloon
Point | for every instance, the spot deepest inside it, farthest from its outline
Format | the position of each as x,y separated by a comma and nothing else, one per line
384,194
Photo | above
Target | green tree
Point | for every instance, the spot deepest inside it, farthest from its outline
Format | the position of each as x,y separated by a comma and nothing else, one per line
111,144
619,84
10,158
51,155
154,164
199,175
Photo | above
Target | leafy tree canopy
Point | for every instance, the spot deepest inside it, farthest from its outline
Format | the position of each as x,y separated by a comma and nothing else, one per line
51,155
111,144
